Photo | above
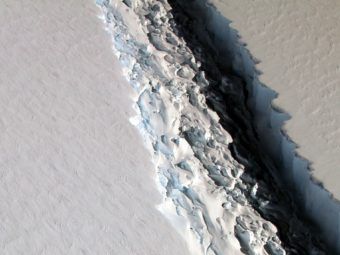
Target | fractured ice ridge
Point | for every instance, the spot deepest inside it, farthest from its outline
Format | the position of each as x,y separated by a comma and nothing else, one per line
227,95
207,195
292,171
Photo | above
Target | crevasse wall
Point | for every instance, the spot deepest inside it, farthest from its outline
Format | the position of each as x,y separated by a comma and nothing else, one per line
316,202
176,129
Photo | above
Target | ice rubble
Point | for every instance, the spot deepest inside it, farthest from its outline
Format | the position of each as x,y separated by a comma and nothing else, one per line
204,196
316,202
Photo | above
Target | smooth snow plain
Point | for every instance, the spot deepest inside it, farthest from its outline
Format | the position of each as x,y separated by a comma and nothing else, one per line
75,177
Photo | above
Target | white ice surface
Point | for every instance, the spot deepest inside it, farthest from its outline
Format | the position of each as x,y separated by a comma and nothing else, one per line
74,175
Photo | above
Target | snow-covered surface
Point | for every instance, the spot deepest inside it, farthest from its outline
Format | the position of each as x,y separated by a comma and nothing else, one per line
74,175
297,44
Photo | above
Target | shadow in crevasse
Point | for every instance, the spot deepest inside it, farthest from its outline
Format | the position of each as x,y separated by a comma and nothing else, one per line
302,210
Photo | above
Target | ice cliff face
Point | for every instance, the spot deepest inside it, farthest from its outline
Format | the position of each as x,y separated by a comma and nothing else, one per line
216,191
291,171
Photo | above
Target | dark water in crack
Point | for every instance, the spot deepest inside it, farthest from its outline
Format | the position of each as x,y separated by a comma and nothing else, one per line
227,95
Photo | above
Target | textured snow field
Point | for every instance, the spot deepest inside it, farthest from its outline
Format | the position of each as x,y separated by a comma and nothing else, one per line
74,174
298,46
